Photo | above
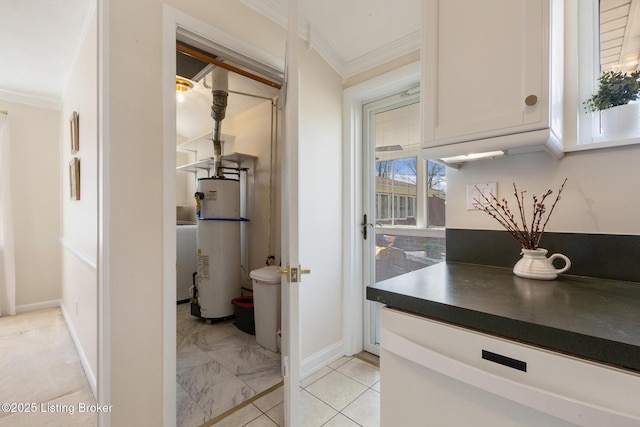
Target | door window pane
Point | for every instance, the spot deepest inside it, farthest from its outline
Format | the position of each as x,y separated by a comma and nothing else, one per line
409,194
436,192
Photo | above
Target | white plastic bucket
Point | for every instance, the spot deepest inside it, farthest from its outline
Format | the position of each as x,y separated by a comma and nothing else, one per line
266,300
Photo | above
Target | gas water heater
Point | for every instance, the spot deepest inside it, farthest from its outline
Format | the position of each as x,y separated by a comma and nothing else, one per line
218,276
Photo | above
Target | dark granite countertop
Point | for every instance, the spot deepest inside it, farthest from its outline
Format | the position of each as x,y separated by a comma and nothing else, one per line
591,318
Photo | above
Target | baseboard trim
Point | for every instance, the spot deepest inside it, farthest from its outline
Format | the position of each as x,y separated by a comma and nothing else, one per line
315,362
26,308
83,357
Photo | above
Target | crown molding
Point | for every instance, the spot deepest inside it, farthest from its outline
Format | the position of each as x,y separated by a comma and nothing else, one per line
271,9
408,44
31,100
274,11
316,42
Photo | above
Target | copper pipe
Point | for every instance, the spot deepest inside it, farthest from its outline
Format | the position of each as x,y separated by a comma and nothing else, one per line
211,60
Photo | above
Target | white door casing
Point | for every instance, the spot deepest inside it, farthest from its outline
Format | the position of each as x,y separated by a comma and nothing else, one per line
289,227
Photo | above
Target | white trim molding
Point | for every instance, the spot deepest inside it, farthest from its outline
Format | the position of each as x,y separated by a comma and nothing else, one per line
315,362
42,305
272,10
91,377
408,44
90,261
31,100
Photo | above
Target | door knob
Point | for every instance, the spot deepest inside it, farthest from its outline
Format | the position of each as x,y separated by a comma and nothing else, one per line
531,100
293,273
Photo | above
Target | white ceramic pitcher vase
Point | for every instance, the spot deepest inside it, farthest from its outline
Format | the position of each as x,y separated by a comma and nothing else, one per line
534,264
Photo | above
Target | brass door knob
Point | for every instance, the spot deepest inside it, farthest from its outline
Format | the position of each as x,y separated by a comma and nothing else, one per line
531,100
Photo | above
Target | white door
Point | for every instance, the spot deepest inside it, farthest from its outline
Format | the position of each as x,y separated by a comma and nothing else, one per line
386,137
289,229
403,199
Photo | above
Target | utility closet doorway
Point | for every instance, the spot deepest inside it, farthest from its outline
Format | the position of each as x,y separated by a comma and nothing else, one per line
219,363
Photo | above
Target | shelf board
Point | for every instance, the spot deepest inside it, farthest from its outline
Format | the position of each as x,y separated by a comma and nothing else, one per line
196,144
208,163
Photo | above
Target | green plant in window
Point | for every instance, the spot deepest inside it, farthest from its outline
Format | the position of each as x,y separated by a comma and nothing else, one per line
615,89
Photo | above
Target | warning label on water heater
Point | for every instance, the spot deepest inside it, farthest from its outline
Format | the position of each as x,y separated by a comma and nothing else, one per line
203,266
212,195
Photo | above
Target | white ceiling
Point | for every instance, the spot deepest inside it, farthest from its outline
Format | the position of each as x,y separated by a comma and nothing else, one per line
40,40
352,35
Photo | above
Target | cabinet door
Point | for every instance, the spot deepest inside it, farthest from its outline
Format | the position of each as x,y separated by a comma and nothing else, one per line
481,60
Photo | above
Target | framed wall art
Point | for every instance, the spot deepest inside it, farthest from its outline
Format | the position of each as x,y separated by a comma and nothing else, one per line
74,126
74,178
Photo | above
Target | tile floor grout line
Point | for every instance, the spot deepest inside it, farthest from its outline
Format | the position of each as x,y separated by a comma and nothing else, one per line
274,421
203,339
243,404
337,412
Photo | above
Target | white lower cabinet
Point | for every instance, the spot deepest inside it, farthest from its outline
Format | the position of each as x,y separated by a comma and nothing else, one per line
437,374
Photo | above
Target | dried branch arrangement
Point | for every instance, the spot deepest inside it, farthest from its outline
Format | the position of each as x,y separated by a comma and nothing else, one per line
529,235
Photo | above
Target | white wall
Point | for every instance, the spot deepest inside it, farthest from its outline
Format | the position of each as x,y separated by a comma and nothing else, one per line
133,210
252,132
79,217
320,211
35,186
135,252
600,196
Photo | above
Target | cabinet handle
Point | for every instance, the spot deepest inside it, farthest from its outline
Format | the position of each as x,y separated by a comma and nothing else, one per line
504,360
531,100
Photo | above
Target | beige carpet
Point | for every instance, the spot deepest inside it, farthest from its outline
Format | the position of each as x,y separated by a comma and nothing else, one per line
42,382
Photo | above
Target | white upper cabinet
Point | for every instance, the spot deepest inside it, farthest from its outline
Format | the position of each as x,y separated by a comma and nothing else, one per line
492,76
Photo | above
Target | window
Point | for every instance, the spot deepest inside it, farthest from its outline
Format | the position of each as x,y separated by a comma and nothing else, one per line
395,180
607,34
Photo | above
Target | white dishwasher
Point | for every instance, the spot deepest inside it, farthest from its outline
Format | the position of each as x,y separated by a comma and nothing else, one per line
440,375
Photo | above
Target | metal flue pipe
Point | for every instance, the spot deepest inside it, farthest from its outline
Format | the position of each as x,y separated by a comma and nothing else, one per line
219,92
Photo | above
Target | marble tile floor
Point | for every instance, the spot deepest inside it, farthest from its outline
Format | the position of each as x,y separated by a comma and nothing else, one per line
39,366
218,368
345,393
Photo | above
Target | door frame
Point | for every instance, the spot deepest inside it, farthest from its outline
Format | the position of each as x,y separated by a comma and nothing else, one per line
370,109
354,97
290,291
173,19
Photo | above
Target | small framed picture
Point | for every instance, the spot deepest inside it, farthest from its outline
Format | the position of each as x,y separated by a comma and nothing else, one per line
74,178
74,126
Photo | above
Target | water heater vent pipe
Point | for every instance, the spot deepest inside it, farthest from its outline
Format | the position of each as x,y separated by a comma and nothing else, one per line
220,93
